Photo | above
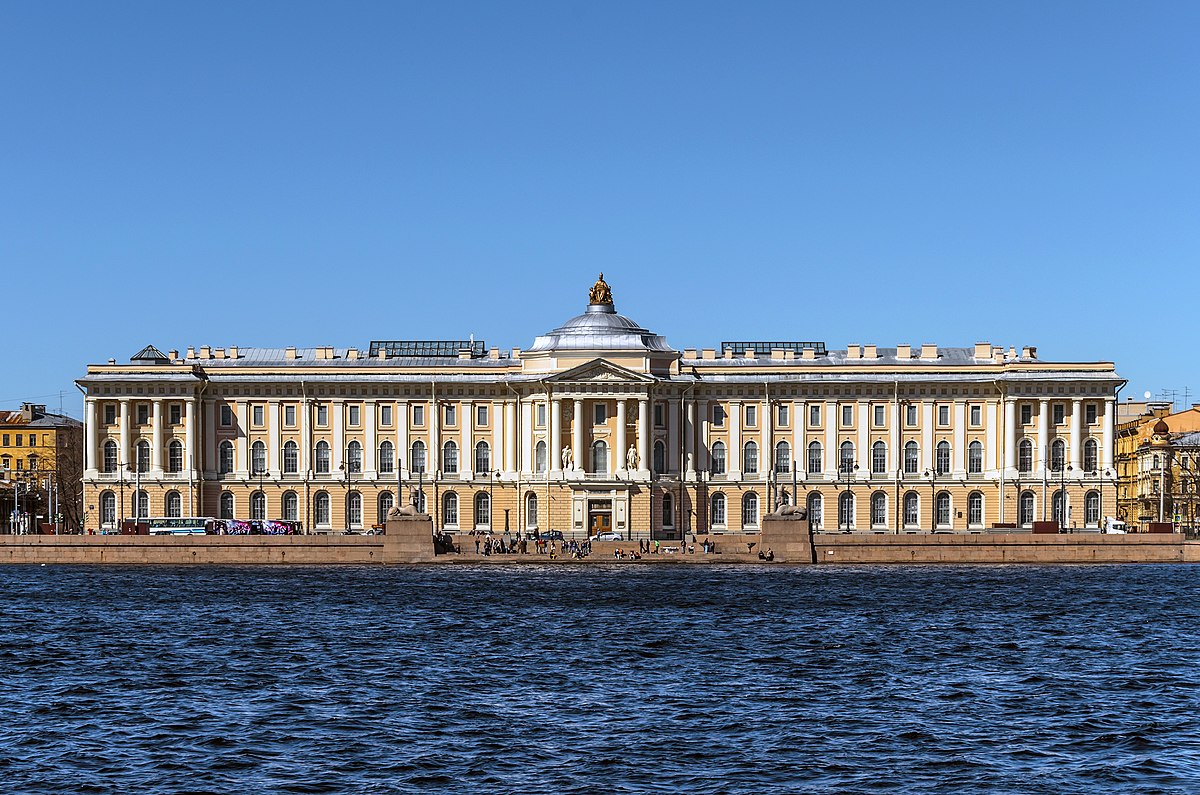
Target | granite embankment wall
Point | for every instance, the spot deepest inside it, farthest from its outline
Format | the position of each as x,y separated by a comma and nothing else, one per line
830,548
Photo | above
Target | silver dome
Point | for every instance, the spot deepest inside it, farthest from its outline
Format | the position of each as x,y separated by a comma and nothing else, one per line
600,328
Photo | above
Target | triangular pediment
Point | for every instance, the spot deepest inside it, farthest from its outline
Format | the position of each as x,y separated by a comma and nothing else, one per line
599,371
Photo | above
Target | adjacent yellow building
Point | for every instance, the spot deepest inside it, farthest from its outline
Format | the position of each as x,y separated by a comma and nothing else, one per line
41,460
1158,464
602,425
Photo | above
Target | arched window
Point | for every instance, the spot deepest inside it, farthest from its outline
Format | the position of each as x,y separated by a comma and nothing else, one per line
846,457
174,504
321,509
108,509
816,507
846,510
943,457
258,458
943,509
539,458
879,509
258,505
291,506
450,509
354,459
387,458
531,511
600,457
878,458
141,504
668,511
483,510
912,509
226,504
386,500
1058,455
1057,510
291,458
816,458
1025,509
110,459
1090,456
783,458
975,458
750,510
718,458
225,458
450,458
717,513
975,509
1091,509
1025,457
175,456
143,456
483,458
354,509
421,501
912,458
417,457
660,457
323,459
750,458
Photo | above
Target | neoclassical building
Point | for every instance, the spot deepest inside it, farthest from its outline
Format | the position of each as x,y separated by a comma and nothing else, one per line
600,425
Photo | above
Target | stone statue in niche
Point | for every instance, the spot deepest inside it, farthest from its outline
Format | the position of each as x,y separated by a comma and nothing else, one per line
567,457
631,457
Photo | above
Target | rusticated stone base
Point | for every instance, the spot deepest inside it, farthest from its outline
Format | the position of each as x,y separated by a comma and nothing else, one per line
408,539
787,536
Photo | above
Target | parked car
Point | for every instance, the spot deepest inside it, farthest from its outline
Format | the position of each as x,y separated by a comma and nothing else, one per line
548,535
611,535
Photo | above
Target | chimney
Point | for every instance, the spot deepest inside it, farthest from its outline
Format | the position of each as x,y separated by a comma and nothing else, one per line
853,352
382,354
870,352
290,353
1029,352
465,353
173,355
749,353
690,353
808,353
729,353
998,355
352,354
516,353
233,352
777,353
1012,352
903,351
709,353
205,352
493,353
219,353
191,352
983,350
928,351
789,355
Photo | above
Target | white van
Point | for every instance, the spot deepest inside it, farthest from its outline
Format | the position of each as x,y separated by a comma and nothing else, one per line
1116,526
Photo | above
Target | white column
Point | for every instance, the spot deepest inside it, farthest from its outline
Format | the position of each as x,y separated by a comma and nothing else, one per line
466,458
643,431
577,435
402,439
831,443
928,457
190,460
242,438
156,431
554,445
274,446
991,459
895,451
210,436
527,439
1076,437
620,455
338,409
1106,439
864,440
306,440
689,440
91,431
702,413
511,429
1009,463
960,438
433,454
1043,437
370,445
733,456
673,407
766,444
799,449
126,450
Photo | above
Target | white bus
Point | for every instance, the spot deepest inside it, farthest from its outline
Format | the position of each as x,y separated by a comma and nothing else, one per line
180,526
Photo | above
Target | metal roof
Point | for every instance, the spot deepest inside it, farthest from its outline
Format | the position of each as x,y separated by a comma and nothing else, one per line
600,328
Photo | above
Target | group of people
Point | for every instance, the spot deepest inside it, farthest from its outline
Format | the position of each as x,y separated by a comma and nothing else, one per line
500,545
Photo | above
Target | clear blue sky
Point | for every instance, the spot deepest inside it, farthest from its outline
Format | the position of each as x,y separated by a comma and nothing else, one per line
297,173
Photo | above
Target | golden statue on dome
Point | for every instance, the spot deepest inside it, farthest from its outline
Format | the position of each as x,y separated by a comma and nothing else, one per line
600,292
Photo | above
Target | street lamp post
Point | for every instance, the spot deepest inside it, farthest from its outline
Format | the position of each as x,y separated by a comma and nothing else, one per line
491,473
848,467
932,475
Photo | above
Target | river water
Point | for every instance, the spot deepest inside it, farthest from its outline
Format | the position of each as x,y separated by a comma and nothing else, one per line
622,679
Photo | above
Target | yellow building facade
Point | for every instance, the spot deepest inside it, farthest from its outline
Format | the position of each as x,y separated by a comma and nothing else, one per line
600,425
40,459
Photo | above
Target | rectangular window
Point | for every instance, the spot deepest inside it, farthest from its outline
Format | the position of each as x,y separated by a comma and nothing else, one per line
355,416
541,415
143,414
1026,414
910,415
1059,413
226,415
718,416
751,414
814,415
943,416
658,415
385,415
783,414
601,412
451,414
323,415
418,415
6,440
20,440
1089,413
879,411
110,414
847,415
259,413
976,416
481,414
289,416
175,413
